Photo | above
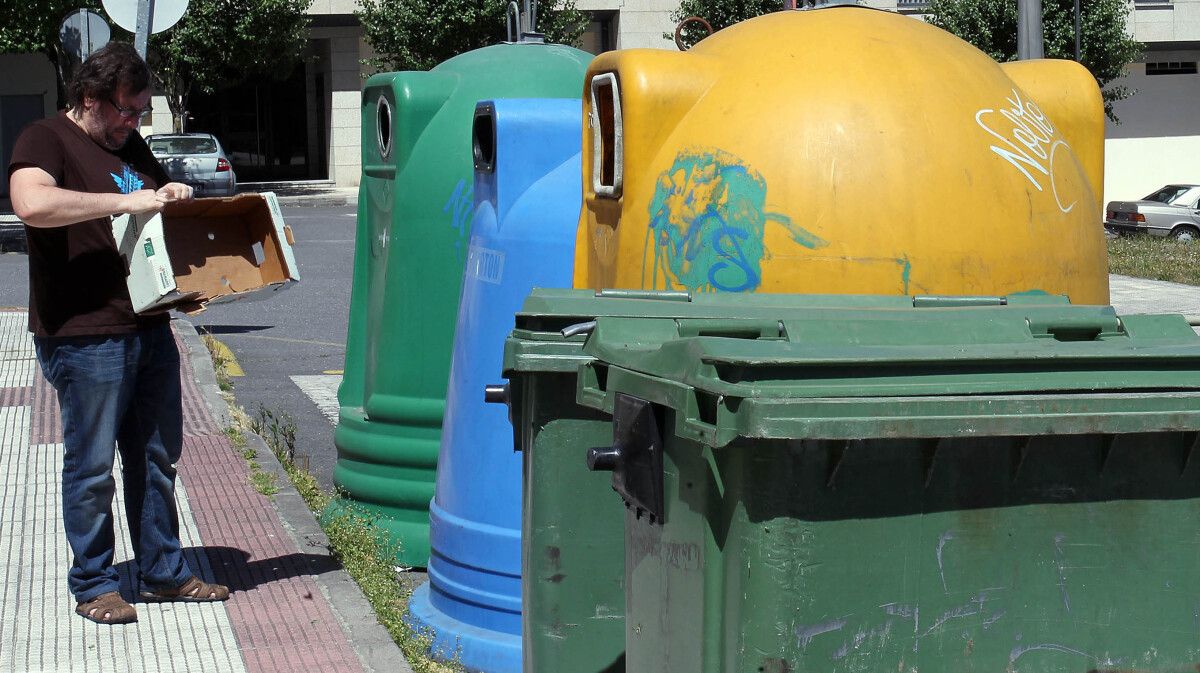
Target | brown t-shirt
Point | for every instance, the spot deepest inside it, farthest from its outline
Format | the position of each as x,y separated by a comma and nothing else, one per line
76,275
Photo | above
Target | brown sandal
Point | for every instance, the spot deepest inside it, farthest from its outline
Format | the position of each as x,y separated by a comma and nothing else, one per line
194,591
107,608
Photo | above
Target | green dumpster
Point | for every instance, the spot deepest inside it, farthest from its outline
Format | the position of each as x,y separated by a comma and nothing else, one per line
415,208
572,525
936,489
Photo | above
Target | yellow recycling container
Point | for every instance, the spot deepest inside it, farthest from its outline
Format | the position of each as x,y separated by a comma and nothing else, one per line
841,150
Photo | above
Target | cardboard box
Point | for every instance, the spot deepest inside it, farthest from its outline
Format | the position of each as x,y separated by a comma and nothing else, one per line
206,250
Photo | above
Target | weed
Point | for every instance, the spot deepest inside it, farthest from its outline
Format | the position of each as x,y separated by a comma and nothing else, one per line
278,429
220,362
1155,258
368,557
263,482
236,437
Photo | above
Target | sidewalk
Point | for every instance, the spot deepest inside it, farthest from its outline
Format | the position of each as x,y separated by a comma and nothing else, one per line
293,608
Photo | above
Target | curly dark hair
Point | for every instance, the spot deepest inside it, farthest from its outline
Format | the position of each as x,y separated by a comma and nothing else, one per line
114,67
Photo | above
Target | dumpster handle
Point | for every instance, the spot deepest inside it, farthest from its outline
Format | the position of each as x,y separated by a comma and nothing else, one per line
579,328
660,295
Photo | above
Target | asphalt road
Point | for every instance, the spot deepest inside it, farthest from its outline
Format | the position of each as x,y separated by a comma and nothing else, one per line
284,341
298,336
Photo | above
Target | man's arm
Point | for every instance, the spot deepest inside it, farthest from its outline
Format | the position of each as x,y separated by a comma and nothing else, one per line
40,202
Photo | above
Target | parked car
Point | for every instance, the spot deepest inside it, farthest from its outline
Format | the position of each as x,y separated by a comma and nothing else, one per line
196,159
1171,211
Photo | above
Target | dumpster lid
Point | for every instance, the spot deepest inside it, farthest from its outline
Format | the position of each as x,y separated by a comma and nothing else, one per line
1018,368
553,323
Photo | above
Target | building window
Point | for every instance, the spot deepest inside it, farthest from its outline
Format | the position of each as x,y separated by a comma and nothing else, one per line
1171,68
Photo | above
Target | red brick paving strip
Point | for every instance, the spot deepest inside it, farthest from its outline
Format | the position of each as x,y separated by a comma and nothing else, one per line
45,419
16,397
197,420
280,617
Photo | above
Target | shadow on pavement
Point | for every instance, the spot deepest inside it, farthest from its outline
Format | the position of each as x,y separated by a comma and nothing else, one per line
234,568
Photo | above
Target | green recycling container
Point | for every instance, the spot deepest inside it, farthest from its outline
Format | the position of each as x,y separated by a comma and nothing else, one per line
415,209
572,529
936,489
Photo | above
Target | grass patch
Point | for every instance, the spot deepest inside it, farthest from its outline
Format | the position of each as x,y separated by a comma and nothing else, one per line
263,482
366,555
1155,258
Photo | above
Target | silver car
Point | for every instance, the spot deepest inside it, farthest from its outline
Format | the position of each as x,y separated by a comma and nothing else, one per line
195,159
1172,211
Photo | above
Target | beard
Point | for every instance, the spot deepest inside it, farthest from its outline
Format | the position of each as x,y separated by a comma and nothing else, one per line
115,139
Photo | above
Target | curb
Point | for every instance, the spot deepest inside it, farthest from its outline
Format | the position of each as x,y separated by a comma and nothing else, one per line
370,641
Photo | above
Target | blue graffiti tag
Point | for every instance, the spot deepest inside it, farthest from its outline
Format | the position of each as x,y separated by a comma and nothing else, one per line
707,222
460,206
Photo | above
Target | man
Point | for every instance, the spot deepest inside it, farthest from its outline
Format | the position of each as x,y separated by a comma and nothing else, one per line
116,372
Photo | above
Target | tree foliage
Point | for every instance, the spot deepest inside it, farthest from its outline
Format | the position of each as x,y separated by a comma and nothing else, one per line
221,43
216,43
419,34
31,27
719,14
1105,46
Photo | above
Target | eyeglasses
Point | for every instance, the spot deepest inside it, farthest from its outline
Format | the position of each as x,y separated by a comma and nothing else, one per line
130,112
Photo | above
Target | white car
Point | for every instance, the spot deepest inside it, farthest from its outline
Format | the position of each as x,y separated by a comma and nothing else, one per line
1171,211
195,159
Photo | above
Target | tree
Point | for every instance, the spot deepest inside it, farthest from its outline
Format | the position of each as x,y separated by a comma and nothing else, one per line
1106,48
419,34
719,14
31,27
221,43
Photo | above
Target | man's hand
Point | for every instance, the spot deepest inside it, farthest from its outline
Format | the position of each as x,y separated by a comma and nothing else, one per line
143,201
175,191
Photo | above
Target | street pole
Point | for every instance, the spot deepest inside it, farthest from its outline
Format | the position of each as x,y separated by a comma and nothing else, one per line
1029,30
142,36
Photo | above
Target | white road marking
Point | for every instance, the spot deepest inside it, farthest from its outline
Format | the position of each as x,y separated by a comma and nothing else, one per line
322,390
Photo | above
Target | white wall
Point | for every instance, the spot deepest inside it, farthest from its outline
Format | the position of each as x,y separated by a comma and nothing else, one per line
641,23
1135,167
1168,21
1158,138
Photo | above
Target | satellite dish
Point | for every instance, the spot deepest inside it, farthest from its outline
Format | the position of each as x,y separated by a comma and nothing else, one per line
164,13
83,32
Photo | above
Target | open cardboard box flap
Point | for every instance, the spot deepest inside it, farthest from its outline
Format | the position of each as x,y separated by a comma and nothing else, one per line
222,249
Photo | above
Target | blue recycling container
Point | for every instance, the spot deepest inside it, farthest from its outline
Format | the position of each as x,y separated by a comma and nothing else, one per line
527,199
414,223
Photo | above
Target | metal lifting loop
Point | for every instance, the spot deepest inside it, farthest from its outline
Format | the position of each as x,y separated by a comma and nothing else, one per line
531,13
690,19
513,18
522,25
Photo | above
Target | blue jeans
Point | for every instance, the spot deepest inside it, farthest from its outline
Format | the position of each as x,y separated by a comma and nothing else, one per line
121,391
